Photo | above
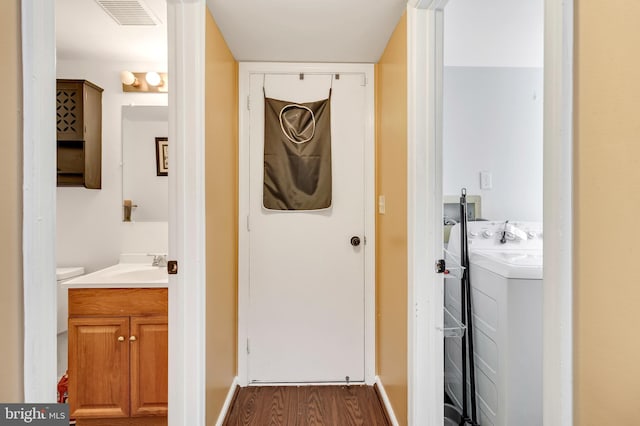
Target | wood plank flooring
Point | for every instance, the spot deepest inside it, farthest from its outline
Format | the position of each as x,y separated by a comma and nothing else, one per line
307,406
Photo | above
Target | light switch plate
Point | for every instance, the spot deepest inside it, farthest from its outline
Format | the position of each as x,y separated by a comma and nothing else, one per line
381,204
486,180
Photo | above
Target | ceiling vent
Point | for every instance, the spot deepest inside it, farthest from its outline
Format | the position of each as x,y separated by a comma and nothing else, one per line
129,12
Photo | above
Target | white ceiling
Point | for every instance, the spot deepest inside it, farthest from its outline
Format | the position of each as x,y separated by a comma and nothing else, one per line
307,30
255,30
85,31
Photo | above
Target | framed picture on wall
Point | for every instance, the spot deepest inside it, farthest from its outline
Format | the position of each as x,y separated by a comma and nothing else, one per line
162,156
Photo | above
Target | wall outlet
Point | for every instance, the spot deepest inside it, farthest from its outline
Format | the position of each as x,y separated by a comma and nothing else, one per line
486,180
381,204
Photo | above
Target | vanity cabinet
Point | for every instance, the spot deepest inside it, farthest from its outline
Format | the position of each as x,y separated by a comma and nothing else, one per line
79,133
118,347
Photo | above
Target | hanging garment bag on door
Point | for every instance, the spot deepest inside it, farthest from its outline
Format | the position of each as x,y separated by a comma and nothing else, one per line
297,155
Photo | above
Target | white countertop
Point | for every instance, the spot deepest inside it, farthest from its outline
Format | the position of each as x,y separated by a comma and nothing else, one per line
68,272
123,275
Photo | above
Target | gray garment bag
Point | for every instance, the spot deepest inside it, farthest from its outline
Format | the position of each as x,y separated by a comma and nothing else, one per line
297,155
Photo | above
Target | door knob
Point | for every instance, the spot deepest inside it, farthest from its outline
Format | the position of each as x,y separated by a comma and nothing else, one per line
121,339
355,241
132,339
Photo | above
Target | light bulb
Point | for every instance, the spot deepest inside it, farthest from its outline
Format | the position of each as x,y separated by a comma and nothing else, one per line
153,78
127,78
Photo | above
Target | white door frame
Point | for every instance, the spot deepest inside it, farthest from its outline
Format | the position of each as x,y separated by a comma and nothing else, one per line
186,20
39,200
246,69
425,64
424,209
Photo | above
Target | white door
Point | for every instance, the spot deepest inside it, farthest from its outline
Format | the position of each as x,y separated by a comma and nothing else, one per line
306,310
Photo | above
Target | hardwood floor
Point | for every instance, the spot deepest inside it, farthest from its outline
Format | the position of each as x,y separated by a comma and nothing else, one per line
307,406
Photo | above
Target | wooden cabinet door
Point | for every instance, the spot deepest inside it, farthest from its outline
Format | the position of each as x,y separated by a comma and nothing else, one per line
99,367
92,136
149,365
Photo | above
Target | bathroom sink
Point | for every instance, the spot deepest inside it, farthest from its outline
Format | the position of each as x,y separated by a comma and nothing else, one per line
123,275
144,274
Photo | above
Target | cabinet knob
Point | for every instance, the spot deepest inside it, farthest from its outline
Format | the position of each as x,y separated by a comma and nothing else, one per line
121,339
132,338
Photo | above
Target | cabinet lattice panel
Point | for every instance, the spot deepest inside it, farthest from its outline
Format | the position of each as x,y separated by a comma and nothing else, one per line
67,104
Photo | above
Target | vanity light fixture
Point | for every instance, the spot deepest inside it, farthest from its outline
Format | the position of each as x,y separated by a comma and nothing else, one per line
153,78
127,78
149,82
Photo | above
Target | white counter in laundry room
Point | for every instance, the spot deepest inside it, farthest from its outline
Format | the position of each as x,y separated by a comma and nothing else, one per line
505,266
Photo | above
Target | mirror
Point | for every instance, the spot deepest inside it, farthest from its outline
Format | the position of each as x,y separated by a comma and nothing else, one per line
145,189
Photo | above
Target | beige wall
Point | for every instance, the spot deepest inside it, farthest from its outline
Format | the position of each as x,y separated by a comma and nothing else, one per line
607,202
391,227
221,159
11,389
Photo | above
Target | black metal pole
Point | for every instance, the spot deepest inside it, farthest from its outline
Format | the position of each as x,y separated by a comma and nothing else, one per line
469,323
463,298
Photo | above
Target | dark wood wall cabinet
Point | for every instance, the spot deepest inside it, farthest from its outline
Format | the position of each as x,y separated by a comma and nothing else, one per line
79,133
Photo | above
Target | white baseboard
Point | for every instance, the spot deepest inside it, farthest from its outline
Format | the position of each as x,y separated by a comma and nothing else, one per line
386,402
298,384
227,402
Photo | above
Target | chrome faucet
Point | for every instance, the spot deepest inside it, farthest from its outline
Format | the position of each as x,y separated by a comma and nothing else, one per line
159,260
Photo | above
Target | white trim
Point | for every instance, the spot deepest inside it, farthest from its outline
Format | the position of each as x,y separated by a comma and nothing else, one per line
424,209
228,401
370,209
386,402
558,215
342,383
245,71
39,200
186,21
243,217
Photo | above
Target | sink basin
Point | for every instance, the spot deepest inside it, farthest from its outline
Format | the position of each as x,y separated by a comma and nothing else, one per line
123,275
146,274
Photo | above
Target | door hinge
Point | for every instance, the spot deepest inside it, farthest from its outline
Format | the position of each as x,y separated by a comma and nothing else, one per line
441,267
249,103
248,350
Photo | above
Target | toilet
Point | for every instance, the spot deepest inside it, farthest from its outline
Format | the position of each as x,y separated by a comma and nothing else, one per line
63,275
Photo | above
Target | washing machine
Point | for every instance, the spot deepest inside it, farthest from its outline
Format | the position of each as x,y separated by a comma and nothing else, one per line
505,267
64,275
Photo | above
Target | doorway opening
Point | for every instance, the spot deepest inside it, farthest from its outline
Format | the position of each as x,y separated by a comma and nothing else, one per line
316,275
186,215
92,231
426,58
492,147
